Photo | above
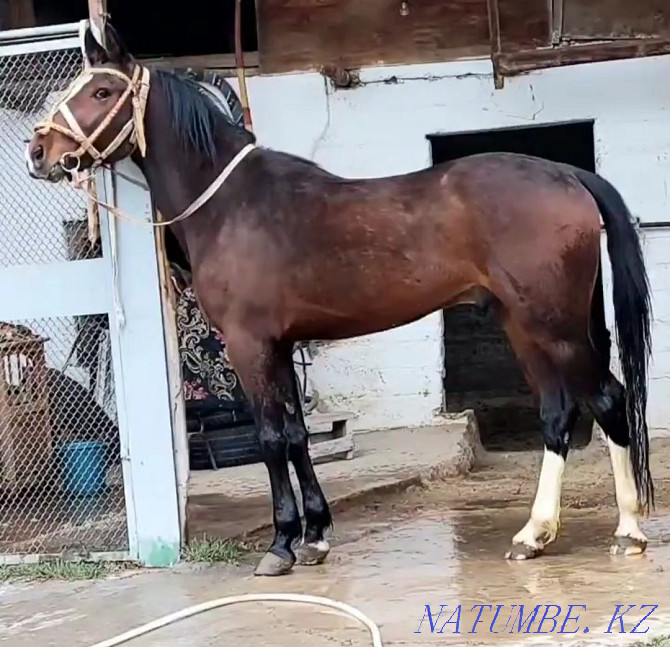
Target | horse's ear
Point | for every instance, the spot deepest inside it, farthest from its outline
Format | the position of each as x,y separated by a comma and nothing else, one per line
114,50
94,51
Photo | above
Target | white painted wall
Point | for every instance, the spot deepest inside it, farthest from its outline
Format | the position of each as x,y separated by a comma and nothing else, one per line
395,378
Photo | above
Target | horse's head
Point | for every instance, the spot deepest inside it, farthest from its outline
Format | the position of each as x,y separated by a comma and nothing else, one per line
98,119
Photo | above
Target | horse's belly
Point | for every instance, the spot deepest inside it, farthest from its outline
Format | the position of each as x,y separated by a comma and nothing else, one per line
387,310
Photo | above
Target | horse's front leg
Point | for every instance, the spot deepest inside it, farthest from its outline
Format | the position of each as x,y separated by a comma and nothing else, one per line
258,365
315,546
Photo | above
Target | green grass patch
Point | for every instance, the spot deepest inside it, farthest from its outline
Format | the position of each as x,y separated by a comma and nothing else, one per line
59,570
214,551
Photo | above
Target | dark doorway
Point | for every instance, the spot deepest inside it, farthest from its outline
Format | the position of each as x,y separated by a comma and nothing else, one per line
481,371
153,28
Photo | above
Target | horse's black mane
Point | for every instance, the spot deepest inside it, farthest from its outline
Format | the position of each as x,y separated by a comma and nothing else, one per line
194,116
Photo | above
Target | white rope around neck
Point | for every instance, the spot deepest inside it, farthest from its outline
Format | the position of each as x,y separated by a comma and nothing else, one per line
215,185
201,200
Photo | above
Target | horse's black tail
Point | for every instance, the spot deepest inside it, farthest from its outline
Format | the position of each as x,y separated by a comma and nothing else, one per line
632,311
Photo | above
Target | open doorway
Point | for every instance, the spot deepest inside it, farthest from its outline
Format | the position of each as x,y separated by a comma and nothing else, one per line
197,34
481,371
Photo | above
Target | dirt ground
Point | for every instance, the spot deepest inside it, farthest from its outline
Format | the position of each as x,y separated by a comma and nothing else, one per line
396,555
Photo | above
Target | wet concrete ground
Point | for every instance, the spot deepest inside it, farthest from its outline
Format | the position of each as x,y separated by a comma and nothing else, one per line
392,556
236,501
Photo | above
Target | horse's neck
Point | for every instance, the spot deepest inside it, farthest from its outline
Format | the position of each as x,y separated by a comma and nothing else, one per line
176,179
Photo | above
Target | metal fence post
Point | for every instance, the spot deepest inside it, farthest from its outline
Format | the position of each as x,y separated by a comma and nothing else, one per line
141,375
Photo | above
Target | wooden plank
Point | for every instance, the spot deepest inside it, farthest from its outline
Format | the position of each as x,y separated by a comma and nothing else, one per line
332,449
149,476
556,21
493,7
97,10
330,438
322,422
524,24
201,62
307,34
97,14
178,408
607,19
526,61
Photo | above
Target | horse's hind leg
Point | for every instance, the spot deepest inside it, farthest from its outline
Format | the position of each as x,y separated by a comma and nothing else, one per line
559,413
609,409
259,366
314,548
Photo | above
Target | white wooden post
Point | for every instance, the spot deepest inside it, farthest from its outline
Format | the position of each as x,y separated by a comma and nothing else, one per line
140,373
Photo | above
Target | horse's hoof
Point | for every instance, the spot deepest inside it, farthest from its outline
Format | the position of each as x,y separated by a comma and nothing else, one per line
519,552
272,565
627,546
314,553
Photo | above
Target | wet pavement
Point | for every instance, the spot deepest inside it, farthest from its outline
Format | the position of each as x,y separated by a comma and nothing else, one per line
394,554
447,560
234,502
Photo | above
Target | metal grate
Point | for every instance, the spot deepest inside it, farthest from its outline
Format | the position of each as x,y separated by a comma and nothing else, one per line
61,487
34,216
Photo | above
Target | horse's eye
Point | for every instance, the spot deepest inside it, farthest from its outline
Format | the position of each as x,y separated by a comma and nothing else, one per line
102,93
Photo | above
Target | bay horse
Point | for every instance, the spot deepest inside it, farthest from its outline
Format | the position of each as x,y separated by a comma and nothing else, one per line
283,251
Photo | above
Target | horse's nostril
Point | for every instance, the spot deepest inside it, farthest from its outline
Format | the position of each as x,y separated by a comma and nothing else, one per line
38,153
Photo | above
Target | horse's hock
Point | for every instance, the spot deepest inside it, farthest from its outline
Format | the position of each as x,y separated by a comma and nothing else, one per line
60,479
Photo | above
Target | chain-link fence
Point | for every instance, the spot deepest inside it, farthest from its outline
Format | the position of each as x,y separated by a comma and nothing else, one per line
37,213
61,489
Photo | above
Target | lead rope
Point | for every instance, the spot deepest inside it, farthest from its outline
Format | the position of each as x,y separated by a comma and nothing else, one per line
204,197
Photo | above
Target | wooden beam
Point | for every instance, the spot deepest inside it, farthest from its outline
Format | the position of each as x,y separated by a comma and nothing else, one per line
217,62
97,14
494,37
556,21
615,19
538,59
309,34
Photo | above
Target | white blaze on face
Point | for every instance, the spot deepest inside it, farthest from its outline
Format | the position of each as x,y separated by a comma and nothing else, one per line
545,514
626,492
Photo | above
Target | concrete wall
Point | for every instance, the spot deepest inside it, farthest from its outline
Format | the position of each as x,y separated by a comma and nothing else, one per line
395,378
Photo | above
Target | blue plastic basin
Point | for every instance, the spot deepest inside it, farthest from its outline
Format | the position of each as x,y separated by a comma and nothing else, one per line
83,465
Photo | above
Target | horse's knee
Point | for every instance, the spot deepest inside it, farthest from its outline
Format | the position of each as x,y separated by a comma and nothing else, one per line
273,444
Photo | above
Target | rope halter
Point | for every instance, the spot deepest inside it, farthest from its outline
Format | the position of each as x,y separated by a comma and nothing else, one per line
132,131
